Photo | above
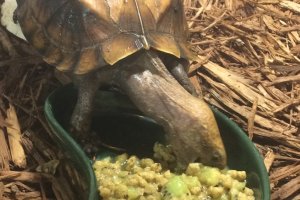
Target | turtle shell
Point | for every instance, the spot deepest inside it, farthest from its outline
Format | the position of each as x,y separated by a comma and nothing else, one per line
83,35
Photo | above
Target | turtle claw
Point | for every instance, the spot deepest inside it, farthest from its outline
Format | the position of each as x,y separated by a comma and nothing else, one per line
90,149
80,131
88,141
91,144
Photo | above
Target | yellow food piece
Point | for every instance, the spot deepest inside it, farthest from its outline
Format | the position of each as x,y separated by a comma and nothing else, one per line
226,181
215,192
193,169
142,179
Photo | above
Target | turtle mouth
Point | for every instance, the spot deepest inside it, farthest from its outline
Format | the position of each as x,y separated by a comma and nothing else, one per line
188,121
216,159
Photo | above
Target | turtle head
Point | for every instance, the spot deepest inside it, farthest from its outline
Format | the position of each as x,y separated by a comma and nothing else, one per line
195,137
189,123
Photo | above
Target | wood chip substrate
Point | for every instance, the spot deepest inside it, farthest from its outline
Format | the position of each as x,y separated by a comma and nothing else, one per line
247,66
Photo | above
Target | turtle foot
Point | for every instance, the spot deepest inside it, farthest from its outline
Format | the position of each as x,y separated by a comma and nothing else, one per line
79,125
90,146
87,140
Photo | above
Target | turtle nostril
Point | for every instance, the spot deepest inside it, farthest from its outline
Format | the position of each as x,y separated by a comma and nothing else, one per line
216,156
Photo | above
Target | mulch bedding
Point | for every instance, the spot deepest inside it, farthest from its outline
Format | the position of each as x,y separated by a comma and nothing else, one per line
248,67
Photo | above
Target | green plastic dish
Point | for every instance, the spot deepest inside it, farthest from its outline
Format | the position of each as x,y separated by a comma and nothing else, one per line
122,125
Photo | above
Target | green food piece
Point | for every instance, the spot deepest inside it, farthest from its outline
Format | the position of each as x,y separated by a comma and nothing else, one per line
176,187
191,181
133,193
209,176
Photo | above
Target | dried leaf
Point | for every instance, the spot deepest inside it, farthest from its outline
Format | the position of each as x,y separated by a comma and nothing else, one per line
5,157
290,5
269,159
251,119
14,136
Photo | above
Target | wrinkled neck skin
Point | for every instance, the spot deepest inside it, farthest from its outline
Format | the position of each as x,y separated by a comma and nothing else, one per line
189,123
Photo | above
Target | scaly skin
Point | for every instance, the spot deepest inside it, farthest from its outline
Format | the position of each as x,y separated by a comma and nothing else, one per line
188,121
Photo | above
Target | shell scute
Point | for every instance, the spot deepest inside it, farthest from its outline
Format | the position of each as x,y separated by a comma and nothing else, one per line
93,33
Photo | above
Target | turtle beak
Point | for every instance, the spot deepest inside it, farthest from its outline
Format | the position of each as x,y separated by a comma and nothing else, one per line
189,123
218,159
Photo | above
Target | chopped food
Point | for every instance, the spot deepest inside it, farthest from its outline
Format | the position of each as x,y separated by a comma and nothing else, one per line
124,177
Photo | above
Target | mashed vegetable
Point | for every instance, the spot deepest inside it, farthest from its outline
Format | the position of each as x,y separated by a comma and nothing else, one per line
125,177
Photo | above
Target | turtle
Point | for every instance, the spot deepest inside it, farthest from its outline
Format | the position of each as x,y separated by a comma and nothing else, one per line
137,46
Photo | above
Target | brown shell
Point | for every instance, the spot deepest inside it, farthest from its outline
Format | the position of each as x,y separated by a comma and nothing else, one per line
82,35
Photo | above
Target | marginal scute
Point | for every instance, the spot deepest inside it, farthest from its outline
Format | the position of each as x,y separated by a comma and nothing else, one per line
39,40
68,62
90,58
29,24
160,41
82,35
185,52
53,55
120,47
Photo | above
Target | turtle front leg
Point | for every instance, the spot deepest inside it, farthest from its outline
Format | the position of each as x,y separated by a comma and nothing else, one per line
177,69
81,118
